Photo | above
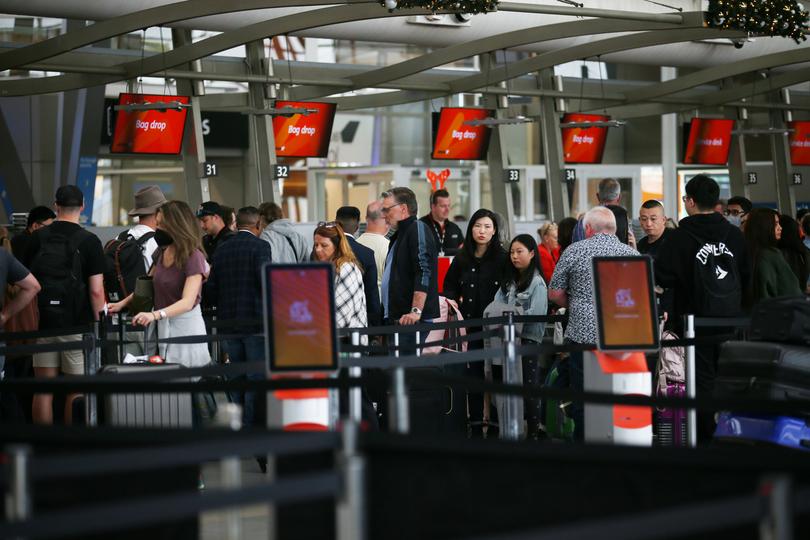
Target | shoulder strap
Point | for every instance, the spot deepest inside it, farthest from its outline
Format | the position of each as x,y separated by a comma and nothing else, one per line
145,238
292,246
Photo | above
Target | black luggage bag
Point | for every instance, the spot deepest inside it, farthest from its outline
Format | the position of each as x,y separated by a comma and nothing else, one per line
760,370
784,320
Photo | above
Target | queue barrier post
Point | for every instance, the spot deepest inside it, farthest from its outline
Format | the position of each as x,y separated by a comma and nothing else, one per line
355,392
691,383
18,494
511,375
92,365
777,523
399,419
351,503
230,467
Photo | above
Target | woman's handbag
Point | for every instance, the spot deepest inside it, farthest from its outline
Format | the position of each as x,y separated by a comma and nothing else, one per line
143,297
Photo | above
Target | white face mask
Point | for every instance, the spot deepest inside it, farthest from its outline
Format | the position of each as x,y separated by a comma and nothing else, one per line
734,220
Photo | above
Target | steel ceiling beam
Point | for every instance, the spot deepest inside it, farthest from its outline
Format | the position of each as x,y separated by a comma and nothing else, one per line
717,73
156,16
207,47
550,59
526,36
540,9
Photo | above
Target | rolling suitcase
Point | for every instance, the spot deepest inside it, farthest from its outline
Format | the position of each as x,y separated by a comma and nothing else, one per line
785,320
764,371
670,423
786,431
144,409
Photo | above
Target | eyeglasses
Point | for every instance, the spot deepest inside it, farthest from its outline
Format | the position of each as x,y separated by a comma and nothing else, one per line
386,209
734,212
685,197
327,224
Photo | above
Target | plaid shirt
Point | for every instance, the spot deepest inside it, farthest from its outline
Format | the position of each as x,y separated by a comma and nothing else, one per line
350,301
235,283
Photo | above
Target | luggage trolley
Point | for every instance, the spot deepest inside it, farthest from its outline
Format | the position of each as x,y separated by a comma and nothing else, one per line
627,326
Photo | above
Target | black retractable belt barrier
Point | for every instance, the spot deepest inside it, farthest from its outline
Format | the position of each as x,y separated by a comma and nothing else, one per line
86,520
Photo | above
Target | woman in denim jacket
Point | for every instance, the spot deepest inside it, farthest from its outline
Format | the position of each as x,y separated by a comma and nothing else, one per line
523,286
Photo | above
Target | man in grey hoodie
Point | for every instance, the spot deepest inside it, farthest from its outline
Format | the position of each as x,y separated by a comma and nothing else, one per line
274,217
281,247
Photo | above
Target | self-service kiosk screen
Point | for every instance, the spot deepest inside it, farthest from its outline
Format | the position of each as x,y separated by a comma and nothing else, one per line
299,312
625,303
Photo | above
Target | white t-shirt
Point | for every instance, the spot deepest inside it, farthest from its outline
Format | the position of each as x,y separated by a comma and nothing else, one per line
379,245
149,247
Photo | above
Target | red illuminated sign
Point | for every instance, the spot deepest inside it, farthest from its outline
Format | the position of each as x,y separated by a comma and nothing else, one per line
584,145
149,132
799,143
457,140
709,141
302,135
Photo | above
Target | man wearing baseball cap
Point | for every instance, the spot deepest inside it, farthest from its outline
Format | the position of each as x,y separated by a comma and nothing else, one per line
213,218
68,297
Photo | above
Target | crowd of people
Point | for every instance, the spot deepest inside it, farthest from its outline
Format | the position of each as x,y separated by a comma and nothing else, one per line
389,274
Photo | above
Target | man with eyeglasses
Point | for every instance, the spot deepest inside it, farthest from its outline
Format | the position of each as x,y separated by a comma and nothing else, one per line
653,222
737,209
410,278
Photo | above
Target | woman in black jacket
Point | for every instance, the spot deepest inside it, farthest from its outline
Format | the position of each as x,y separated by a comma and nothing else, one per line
471,282
793,250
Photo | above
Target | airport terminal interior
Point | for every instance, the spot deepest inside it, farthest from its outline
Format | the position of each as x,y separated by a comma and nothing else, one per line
629,404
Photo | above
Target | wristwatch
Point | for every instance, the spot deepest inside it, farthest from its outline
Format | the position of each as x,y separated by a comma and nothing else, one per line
416,310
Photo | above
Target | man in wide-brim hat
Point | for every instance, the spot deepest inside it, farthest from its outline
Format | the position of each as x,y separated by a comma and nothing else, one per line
147,202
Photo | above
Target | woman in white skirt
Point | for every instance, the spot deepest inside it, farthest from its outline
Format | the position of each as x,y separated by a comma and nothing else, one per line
178,273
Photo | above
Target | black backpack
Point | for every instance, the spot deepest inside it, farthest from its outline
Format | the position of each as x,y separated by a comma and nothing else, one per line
716,282
124,264
64,299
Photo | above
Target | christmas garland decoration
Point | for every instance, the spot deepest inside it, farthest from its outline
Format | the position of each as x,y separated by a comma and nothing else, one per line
785,18
457,6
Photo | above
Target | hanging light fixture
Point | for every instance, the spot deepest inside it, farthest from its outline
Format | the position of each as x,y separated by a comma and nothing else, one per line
282,111
161,106
492,122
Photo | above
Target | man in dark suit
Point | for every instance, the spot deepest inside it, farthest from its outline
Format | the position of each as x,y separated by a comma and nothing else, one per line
349,219
235,284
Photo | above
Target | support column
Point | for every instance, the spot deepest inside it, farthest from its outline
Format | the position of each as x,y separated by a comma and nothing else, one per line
780,154
737,162
669,152
501,193
262,142
551,136
193,144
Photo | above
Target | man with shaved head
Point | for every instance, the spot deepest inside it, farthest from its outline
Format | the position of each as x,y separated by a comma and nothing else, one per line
572,287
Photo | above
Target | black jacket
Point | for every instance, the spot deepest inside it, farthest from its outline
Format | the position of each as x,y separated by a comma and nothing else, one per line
473,282
413,268
674,266
453,237
366,258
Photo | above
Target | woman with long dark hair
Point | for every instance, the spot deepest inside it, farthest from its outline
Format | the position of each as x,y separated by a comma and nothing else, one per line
471,282
523,286
565,232
794,250
772,274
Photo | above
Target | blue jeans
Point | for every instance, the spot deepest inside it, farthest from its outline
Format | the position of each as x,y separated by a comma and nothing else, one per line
249,349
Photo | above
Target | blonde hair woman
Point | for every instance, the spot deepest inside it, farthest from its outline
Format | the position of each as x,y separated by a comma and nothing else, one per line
178,273
549,249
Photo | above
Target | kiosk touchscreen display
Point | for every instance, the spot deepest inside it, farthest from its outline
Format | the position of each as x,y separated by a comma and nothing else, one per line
299,311
625,303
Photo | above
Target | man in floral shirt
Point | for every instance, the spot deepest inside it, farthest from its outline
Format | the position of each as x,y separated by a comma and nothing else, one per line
572,287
